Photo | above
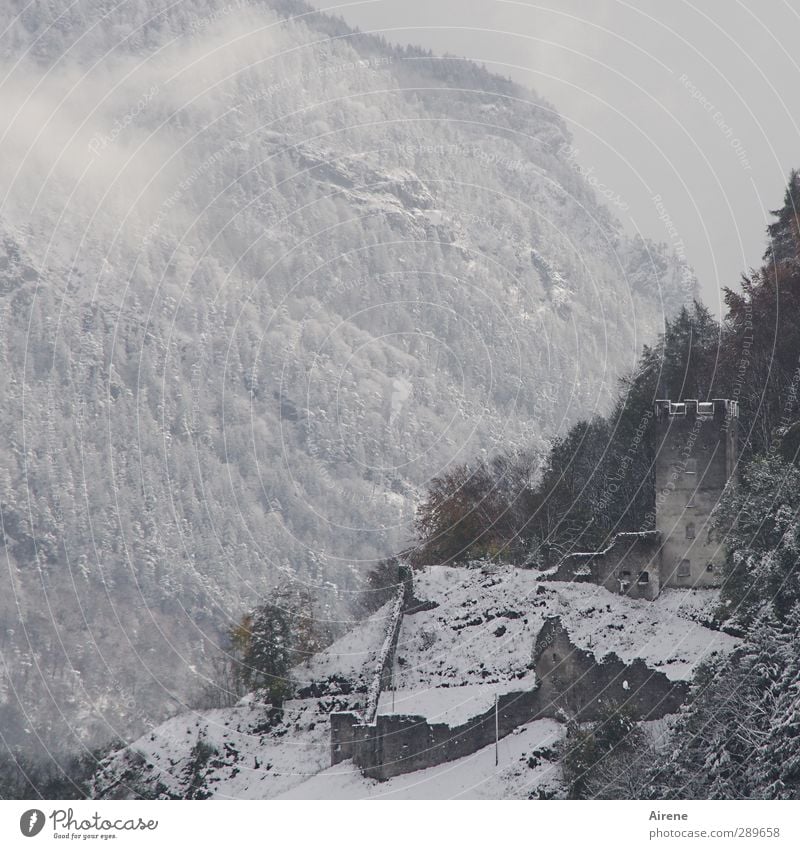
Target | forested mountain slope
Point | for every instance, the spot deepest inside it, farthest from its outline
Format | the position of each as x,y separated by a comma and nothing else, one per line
259,280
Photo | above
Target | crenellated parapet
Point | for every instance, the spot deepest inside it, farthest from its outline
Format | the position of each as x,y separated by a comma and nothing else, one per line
720,409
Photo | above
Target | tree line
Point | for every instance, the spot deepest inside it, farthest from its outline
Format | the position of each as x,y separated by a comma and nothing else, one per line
739,736
598,478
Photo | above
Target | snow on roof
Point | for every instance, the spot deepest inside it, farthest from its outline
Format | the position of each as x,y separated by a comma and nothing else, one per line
622,535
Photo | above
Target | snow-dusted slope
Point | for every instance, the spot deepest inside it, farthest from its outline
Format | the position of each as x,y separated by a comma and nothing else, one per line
478,641
234,753
251,751
243,753
349,659
260,277
452,659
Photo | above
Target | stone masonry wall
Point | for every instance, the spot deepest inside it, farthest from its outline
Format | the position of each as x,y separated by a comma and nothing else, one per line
570,683
344,723
632,567
574,682
696,452
620,567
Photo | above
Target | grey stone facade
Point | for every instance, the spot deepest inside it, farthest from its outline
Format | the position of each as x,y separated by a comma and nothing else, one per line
696,454
696,449
574,683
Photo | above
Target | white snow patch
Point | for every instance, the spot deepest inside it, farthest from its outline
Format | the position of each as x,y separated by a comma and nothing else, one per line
655,631
484,628
452,706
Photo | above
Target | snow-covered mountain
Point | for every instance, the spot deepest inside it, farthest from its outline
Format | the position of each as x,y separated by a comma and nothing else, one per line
470,636
260,278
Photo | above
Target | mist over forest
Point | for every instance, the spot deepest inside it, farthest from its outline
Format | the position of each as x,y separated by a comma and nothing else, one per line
262,278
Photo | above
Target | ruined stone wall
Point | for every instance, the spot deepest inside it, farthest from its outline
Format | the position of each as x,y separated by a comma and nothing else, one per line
343,733
631,567
396,744
621,567
382,677
570,683
573,682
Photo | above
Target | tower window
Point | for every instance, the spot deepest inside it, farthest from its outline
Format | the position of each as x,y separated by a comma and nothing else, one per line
626,573
690,530
684,569
690,502
644,578
691,466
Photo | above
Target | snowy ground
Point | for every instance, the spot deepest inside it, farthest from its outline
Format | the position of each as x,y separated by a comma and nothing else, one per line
248,755
451,662
451,705
662,632
252,755
479,639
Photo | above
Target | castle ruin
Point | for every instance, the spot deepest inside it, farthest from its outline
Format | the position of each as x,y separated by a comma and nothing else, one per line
695,445
696,449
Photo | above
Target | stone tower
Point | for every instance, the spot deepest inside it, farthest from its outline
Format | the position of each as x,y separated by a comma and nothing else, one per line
696,452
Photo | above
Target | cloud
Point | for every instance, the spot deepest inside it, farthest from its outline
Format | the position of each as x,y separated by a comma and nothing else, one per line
97,140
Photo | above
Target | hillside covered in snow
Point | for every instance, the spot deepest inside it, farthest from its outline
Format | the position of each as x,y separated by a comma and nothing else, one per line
260,278
468,636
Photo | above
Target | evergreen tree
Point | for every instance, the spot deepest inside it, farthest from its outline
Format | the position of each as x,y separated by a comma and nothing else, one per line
761,525
784,232
724,744
604,759
267,658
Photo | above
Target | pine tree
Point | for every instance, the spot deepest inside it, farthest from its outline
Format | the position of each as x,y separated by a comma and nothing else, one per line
762,535
267,660
784,233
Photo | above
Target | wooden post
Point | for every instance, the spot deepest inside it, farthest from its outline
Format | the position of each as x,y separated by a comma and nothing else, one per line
496,731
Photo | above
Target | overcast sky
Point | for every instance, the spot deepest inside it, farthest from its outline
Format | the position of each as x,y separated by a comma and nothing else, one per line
692,102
